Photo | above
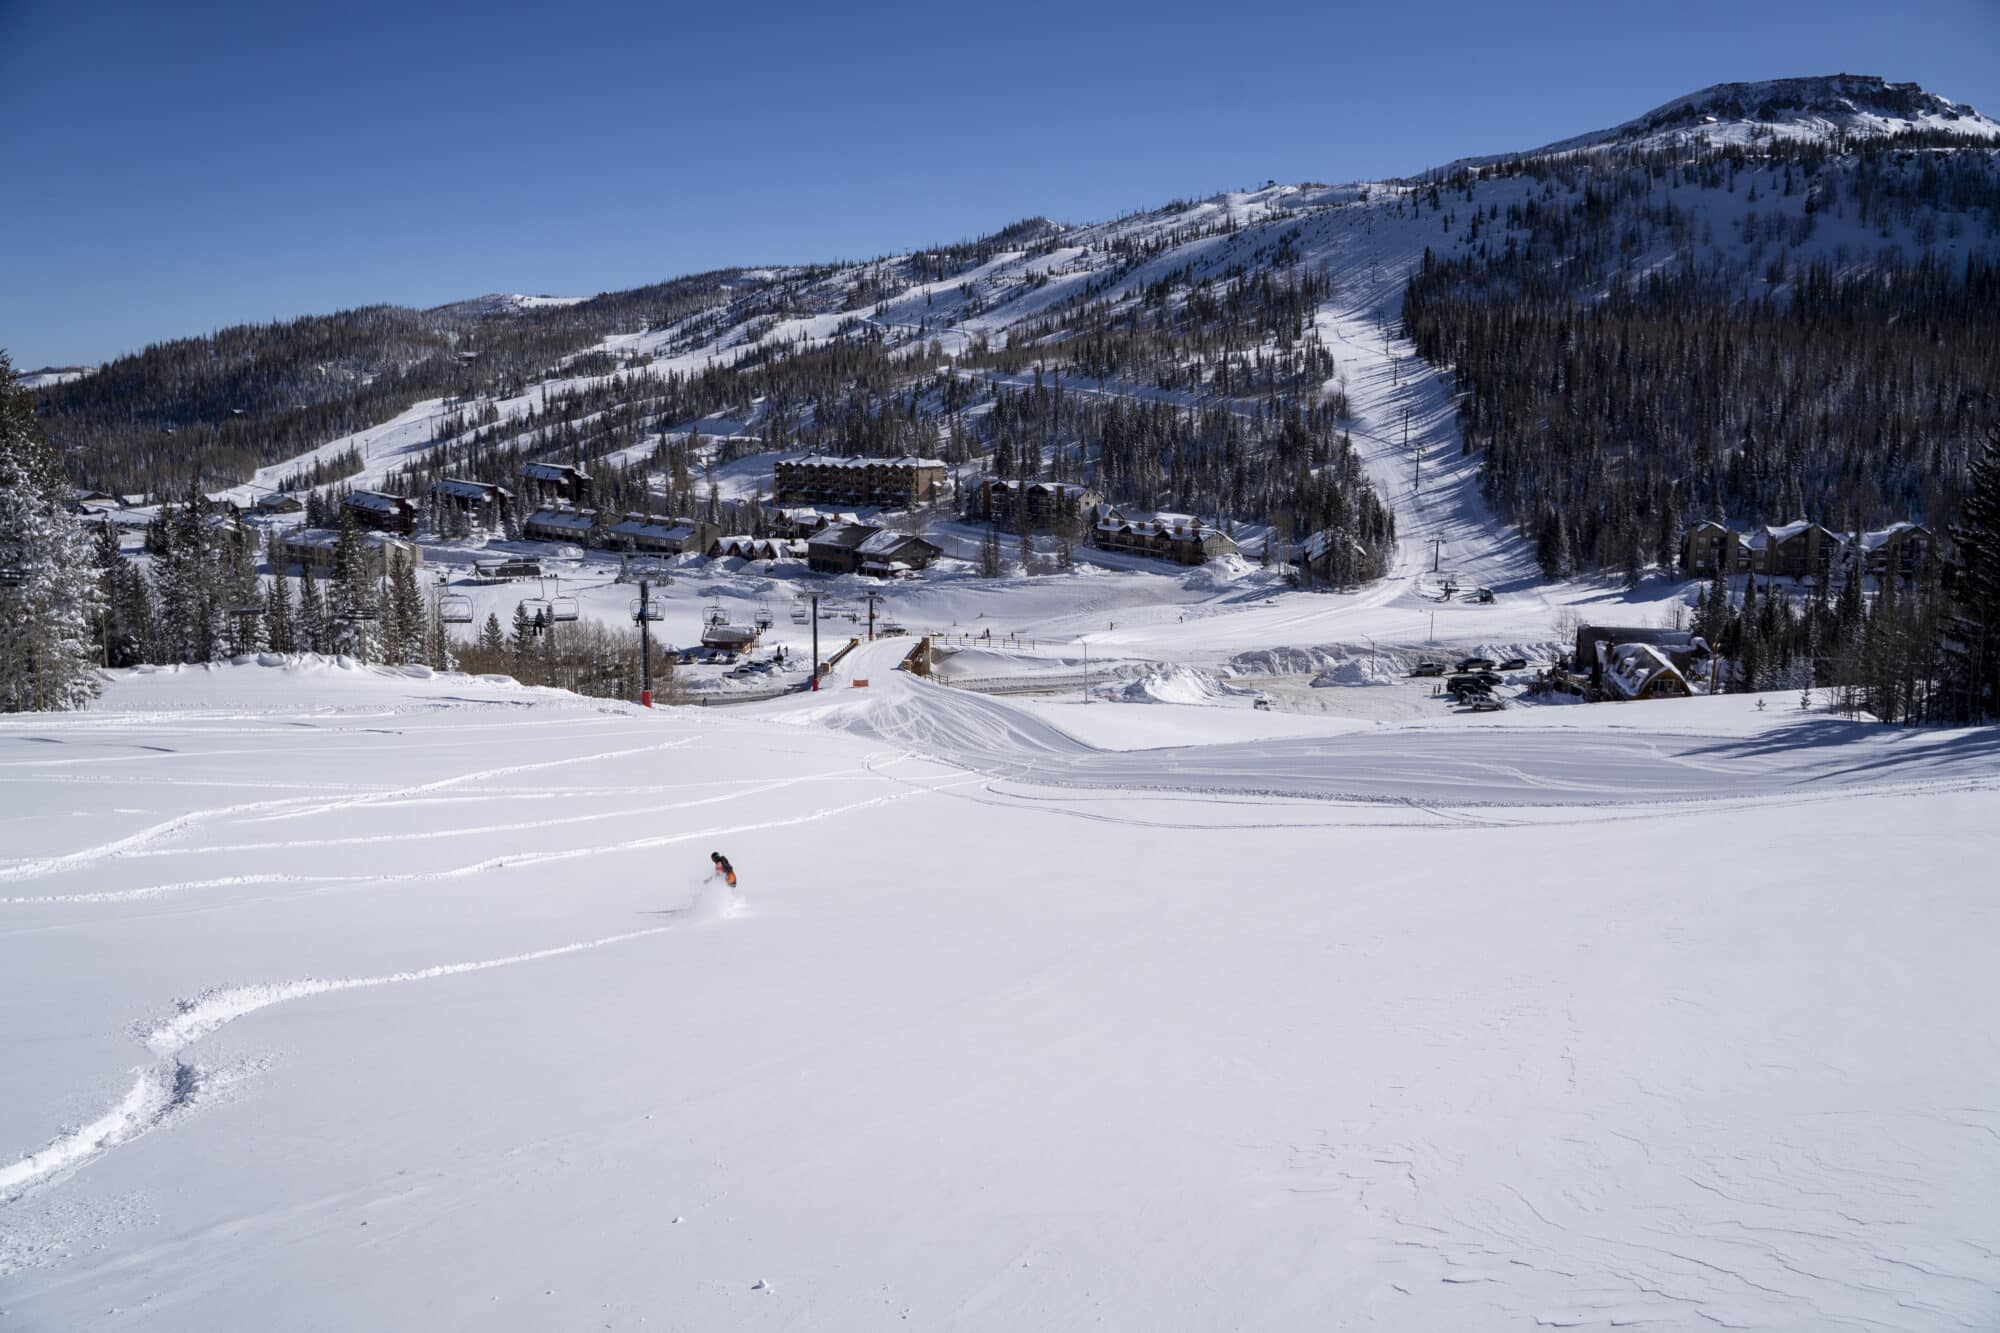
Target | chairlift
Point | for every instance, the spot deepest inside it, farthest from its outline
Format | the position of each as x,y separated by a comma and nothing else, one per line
716,615
648,610
764,617
535,609
562,608
357,612
801,611
455,609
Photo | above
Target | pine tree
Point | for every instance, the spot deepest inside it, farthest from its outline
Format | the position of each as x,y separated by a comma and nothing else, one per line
355,610
280,628
1973,645
521,644
492,640
1552,547
49,592
312,631
403,639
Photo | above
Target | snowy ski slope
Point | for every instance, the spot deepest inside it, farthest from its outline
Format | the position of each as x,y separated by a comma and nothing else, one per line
354,999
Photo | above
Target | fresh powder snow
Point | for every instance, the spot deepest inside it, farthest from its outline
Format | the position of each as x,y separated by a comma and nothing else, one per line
345,997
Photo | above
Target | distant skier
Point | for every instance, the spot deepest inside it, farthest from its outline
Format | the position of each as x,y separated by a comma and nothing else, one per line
722,868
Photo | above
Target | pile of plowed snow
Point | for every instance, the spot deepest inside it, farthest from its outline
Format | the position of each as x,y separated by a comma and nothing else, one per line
1179,685
1360,671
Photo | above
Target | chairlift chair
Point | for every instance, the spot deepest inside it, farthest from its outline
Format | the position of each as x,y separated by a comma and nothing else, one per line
535,608
764,617
801,612
716,615
649,610
562,608
455,609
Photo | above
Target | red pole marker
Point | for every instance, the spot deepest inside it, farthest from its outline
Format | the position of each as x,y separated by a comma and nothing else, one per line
646,698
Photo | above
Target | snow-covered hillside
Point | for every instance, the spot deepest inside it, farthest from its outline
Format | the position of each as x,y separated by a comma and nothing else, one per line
1818,108
348,998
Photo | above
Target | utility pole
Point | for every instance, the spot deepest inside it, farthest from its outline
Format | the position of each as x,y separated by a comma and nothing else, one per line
815,675
645,644
1417,458
873,598
1437,552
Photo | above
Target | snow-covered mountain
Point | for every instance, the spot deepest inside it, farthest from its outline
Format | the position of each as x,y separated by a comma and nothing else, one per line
1821,108
1285,296
503,303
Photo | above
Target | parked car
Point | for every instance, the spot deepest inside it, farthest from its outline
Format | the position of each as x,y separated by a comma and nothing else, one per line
1482,594
1427,669
1487,704
1513,664
1483,679
1476,664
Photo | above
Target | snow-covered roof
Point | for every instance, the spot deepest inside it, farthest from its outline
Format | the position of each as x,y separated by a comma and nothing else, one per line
1325,540
1881,537
552,472
468,490
1630,667
654,526
846,536
885,543
564,520
1172,525
329,537
829,460
379,502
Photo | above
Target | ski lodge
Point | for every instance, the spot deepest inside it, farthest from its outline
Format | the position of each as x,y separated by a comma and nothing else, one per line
317,549
862,548
481,502
1176,537
560,525
380,511
1048,503
555,481
1610,657
1802,549
801,523
657,534
886,482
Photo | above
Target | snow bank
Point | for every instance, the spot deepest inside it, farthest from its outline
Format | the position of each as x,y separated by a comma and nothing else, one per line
1359,671
1178,685
1223,572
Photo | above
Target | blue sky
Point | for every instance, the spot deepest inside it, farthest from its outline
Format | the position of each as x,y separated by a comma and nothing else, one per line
174,169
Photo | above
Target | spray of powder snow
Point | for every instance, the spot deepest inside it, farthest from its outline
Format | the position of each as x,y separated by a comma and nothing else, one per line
711,899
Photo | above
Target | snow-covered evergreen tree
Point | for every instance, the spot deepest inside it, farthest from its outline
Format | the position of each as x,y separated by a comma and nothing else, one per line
280,626
49,594
1973,648
312,632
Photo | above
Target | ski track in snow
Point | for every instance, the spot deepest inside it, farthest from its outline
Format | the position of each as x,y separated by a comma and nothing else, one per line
173,1085
170,1086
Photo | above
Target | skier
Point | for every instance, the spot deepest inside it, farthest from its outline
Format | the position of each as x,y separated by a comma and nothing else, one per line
723,868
